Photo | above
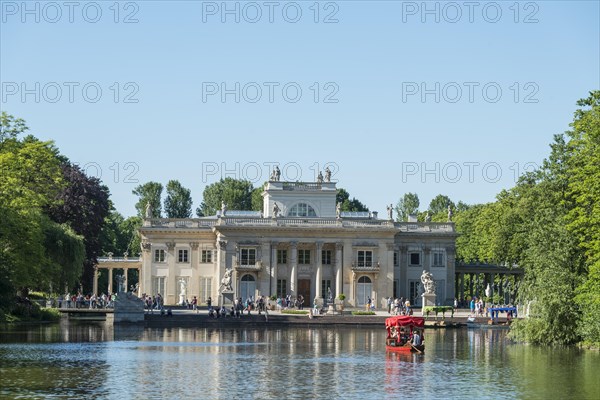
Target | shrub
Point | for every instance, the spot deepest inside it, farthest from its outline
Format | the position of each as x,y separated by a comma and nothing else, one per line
363,312
300,312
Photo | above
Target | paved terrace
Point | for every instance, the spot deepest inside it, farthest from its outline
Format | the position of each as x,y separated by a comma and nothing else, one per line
189,318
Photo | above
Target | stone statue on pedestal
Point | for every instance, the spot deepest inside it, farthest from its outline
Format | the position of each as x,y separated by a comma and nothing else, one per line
338,210
449,213
275,210
182,290
320,177
427,217
428,282
276,174
223,208
226,281
148,213
390,211
327,174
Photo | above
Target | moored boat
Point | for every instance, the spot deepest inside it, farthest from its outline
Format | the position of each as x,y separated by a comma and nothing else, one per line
401,332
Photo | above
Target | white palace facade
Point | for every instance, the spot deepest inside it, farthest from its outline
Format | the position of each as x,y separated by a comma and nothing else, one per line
298,245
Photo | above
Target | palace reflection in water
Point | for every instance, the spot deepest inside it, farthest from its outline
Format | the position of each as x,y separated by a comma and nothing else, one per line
71,360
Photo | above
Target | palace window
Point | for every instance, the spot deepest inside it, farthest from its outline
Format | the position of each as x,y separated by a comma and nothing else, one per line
248,256
281,256
281,288
159,255
396,262
326,257
325,288
303,256
365,258
205,289
158,285
438,259
302,210
206,256
414,259
182,256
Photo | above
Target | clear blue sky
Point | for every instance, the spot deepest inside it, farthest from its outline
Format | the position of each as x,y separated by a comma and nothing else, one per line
375,61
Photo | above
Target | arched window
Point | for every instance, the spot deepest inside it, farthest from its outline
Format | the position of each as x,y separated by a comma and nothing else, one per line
247,286
302,210
363,290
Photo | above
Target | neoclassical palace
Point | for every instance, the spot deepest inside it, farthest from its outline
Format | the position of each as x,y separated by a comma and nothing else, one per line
300,244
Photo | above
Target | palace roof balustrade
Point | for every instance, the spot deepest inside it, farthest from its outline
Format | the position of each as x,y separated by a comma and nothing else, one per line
301,222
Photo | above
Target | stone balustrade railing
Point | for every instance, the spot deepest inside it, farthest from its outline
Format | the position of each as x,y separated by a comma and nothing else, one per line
119,259
192,223
365,266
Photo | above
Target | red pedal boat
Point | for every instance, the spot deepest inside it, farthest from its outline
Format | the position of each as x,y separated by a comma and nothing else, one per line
401,331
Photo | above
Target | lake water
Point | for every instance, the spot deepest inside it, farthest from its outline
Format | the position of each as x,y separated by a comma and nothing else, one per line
95,361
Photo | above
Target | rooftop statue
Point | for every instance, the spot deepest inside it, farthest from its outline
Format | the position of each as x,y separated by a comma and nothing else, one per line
327,174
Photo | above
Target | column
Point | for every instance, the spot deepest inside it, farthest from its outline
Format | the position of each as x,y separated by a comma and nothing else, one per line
95,288
125,273
450,274
319,272
427,259
193,280
403,282
294,269
273,272
110,279
338,269
170,295
146,269
471,285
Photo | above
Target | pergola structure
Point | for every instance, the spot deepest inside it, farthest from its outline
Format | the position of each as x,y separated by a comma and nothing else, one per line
111,263
503,280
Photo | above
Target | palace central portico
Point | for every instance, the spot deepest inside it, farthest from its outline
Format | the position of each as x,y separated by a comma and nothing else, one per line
300,244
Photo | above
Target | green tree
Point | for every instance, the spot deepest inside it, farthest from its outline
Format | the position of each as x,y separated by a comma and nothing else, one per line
65,255
178,203
583,219
149,192
439,205
10,127
343,197
257,199
407,205
236,193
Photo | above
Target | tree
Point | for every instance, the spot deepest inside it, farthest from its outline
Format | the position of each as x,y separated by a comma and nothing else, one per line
149,192
407,205
11,127
257,198
65,255
236,193
83,204
178,203
439,204
583,190
343,197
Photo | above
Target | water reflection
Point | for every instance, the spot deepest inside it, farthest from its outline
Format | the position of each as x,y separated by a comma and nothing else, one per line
96,360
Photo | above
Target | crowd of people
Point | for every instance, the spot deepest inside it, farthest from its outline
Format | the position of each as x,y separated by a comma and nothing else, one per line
91,301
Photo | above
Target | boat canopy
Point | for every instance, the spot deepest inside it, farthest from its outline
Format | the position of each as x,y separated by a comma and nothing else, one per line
404,320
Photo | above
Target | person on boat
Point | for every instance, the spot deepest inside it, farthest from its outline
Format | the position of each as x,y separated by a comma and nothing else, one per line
416,338
403,337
